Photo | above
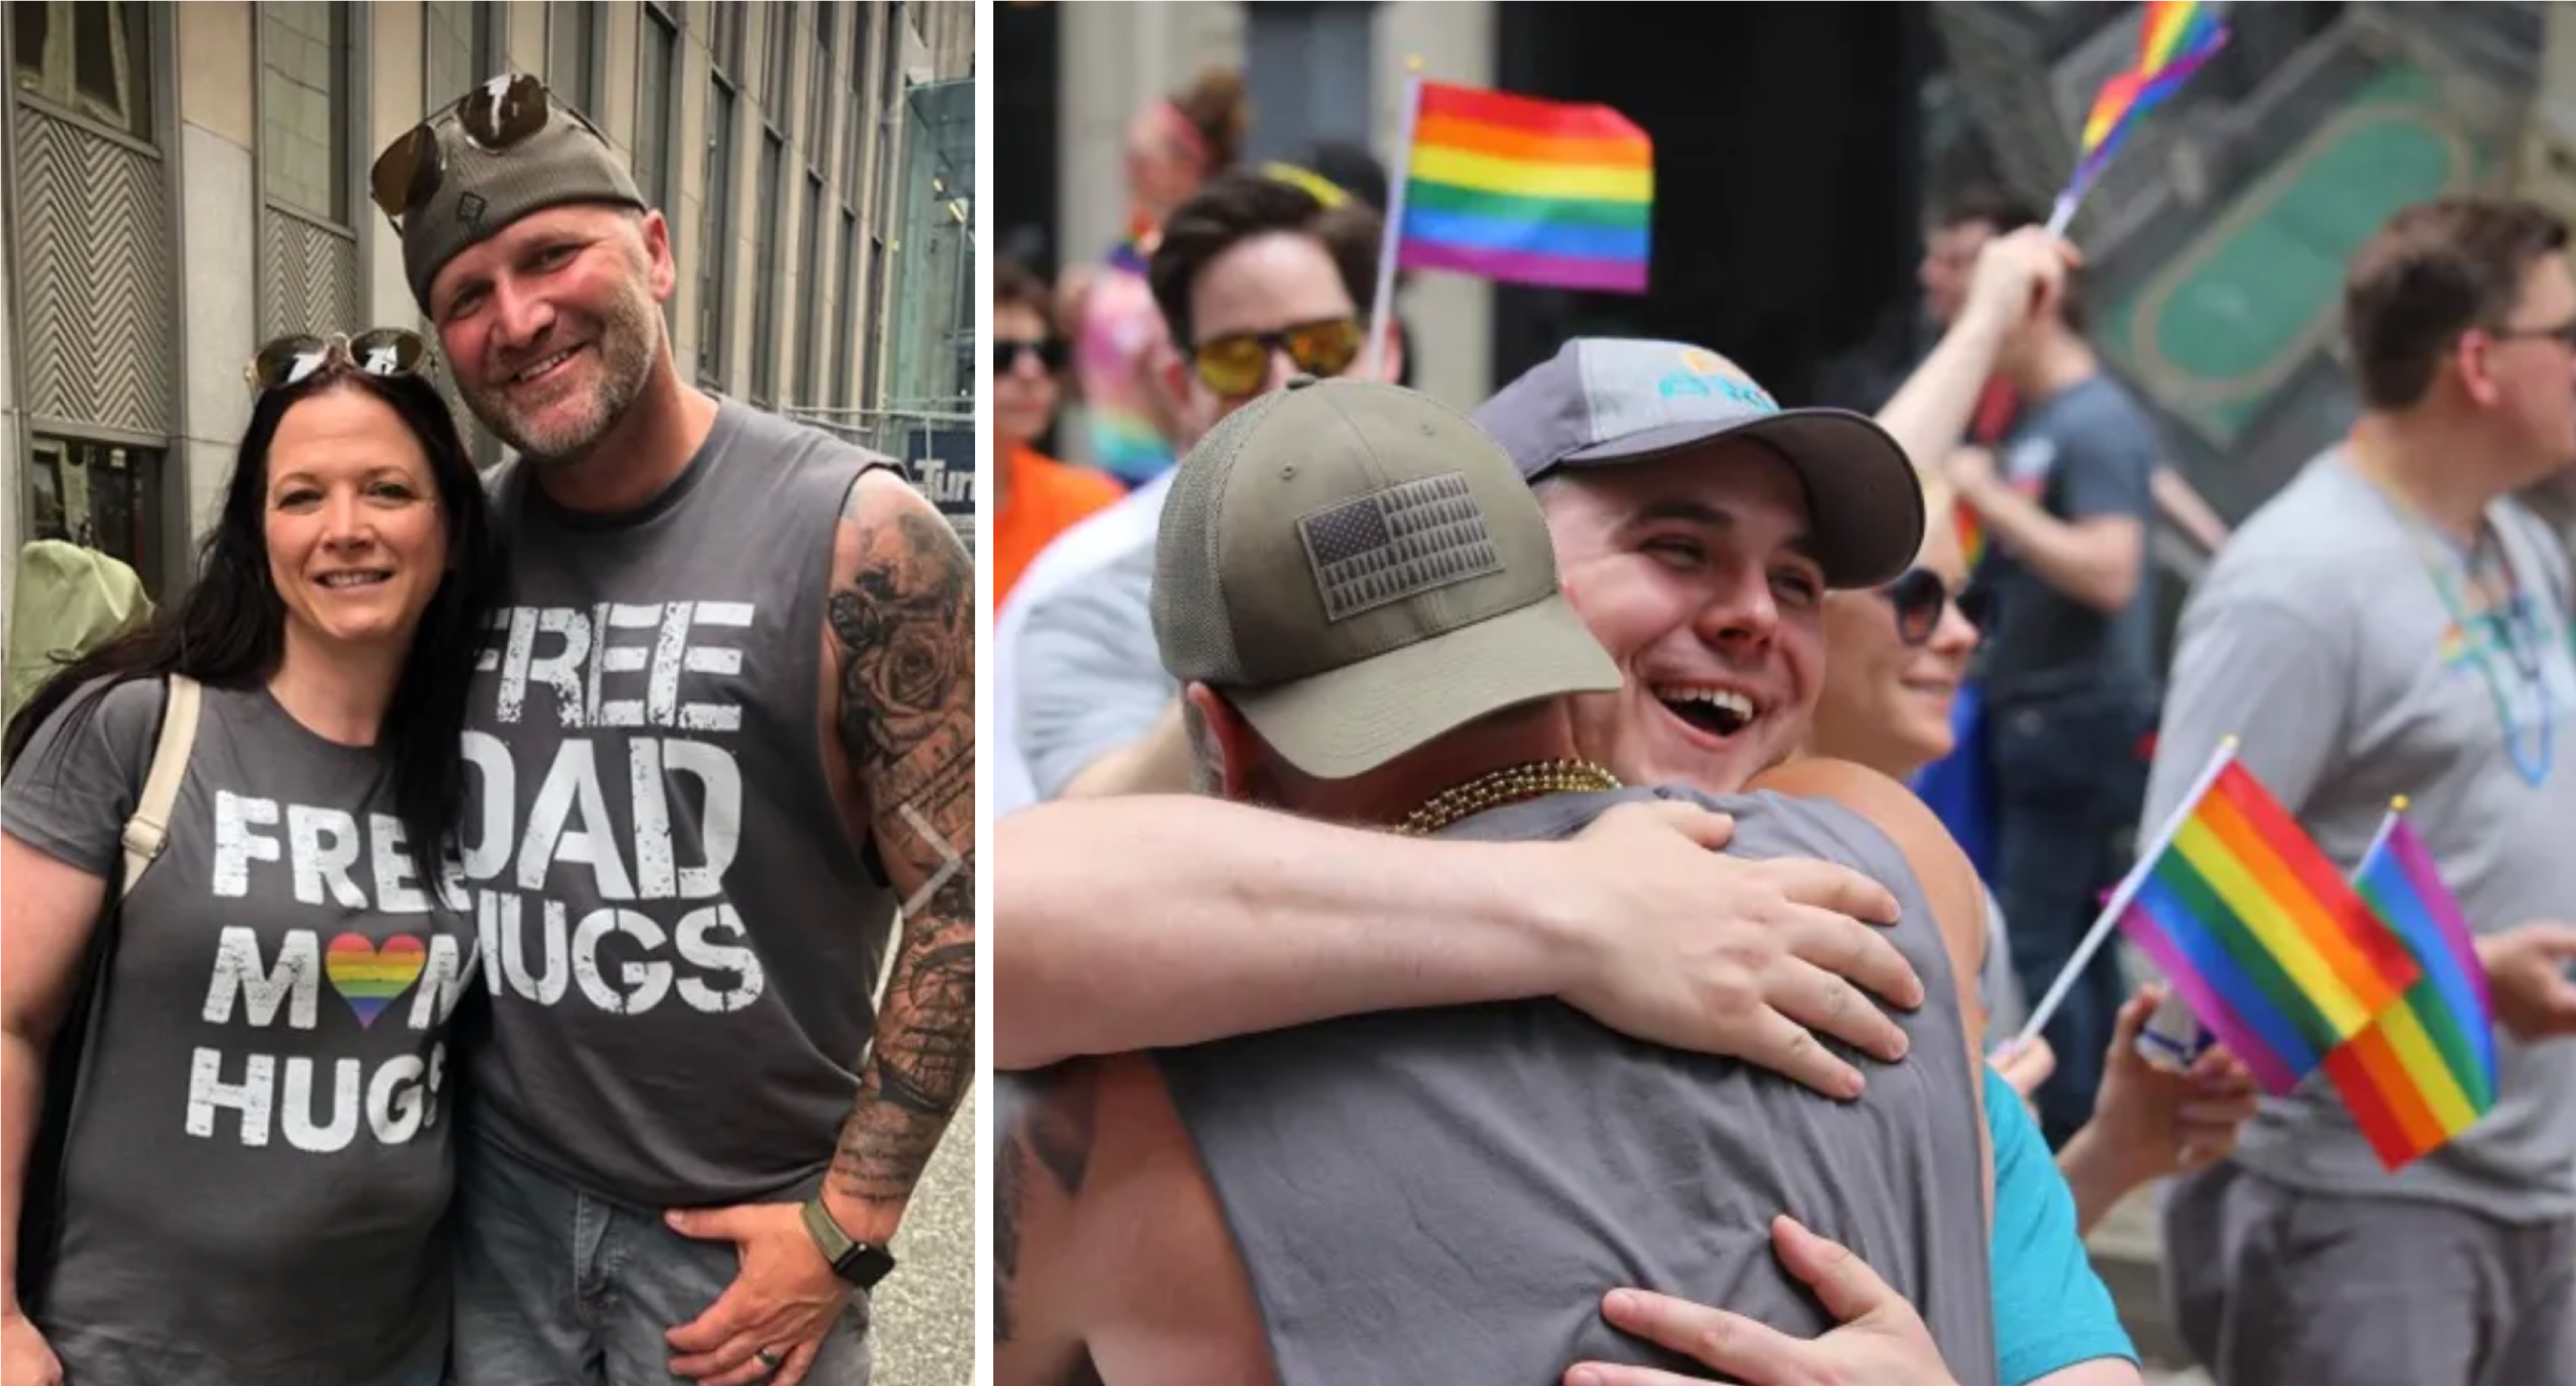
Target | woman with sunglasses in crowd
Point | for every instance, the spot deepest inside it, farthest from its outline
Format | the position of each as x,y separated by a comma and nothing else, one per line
1034,496
1894,661
242,1138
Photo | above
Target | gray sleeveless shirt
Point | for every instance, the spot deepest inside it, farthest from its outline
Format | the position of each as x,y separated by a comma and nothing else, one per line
681,942
1444,1195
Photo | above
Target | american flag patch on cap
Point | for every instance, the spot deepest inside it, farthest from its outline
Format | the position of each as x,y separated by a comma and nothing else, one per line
1397,543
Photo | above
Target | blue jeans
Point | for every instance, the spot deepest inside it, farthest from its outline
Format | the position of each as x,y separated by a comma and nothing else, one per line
2069,782
557,1287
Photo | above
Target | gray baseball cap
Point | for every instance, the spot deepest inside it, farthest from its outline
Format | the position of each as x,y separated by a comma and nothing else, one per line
1603,400
1360,571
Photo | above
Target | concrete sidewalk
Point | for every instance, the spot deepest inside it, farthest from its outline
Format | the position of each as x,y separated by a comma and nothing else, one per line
925,1311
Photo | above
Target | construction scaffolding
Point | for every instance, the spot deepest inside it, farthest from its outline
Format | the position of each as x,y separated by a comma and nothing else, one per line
936,448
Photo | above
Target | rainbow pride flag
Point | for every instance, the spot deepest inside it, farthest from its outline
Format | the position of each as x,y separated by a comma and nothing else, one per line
1971,531
2425,1071
2175,40
2249,921
1526,191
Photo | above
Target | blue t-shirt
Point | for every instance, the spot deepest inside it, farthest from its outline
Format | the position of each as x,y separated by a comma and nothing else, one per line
2087,451
2052,1310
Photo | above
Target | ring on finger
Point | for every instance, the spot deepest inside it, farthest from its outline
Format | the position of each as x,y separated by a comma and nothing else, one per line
768,1358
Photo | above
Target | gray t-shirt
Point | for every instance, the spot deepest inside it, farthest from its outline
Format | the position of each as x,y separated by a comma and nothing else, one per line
1090,671
684,943
261,1156
1445,1194
2320,639
2086,451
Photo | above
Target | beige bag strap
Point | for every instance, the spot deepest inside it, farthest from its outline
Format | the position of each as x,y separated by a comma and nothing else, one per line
150,826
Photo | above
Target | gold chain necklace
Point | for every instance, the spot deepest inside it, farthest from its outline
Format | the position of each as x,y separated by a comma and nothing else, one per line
1510,784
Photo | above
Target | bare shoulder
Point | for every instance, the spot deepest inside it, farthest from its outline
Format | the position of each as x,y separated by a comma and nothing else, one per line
1948,878
901,627
886,518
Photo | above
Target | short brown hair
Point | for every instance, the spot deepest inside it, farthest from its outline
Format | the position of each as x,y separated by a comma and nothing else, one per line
2002,213
2434,271
1235,207
1991,207
1016,286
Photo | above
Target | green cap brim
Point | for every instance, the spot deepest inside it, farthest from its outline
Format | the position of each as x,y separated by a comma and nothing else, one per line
1352,720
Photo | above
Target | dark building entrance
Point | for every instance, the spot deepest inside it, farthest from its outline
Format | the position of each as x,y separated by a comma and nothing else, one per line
1787,173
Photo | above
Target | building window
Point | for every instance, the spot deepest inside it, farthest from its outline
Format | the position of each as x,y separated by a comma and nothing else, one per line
572,54
854,139
102,496
724,40
764,303
715,261
873,370
777,94
845,324
809,304
462,48
657,75
303,87
818,92
93,58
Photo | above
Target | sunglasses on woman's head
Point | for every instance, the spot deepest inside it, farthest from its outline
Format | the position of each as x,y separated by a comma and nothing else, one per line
496,115
386,351
1920,597
1235,365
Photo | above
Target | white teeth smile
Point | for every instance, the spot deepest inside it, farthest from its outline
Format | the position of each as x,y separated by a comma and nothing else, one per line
368,577
1720,711
541,367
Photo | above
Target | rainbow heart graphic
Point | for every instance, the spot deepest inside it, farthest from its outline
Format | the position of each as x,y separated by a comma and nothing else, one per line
369,977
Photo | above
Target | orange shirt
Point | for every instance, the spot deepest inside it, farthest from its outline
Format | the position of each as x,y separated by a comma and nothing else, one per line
1043,499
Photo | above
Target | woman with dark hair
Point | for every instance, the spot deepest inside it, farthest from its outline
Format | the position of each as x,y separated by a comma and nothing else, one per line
252,1174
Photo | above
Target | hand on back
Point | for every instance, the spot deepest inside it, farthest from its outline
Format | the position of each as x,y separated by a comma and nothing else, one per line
1753,960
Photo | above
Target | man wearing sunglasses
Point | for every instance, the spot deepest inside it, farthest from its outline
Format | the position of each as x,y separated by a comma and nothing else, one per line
2393,623
724,731
1259,279
1649,459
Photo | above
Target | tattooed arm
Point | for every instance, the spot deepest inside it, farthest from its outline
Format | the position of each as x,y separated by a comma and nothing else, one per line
1045,1123
902,637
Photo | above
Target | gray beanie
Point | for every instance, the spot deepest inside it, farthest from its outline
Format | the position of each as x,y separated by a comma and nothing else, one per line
482,191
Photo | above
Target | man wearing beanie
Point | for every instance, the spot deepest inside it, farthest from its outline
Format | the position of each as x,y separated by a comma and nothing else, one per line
724,731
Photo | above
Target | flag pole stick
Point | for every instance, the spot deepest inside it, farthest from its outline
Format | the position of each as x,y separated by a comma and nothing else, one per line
1390,241
2379,839
2067,202
2121,898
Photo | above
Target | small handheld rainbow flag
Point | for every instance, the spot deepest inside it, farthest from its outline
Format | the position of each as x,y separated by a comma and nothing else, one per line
1528,191
2425,1071
2249,921
1972,534
2176,39
1517,189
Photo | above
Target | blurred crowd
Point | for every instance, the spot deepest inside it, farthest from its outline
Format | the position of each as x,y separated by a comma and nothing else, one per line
1901,659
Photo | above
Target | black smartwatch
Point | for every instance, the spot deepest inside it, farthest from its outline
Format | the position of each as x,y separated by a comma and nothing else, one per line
859,1263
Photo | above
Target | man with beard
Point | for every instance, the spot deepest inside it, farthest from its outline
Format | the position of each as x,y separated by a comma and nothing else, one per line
723,732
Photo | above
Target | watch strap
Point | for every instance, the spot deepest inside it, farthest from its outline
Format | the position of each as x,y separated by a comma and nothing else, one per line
827,1234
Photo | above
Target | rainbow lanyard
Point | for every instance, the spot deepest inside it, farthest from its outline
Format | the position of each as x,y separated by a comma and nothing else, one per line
2508,609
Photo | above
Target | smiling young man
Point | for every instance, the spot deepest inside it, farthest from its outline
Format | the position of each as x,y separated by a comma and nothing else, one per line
1648,458
723,733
